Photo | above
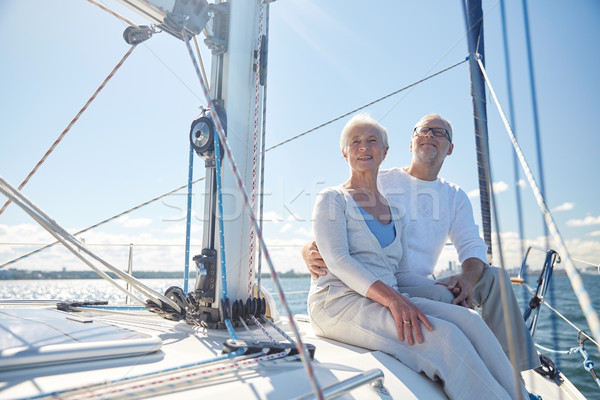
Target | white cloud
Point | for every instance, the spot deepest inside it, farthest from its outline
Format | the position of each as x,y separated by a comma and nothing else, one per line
307,233
272,216
498,187
473,194
521,183
564,207
587,221
285,228
136,222
595,233
581,249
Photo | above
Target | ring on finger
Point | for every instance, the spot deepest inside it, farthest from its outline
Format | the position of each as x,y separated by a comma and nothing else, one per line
406,322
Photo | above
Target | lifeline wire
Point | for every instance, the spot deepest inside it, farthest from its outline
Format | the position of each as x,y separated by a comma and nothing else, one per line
100,223
221,134
63,236
582,295
62,135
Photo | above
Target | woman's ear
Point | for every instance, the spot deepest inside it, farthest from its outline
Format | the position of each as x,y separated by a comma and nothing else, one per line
345,155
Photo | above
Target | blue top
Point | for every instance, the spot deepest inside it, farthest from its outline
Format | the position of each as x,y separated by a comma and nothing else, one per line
385,234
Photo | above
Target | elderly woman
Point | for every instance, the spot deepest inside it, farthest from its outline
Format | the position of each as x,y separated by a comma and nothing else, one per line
361,237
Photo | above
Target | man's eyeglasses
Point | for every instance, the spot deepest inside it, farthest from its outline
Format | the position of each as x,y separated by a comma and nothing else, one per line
437,132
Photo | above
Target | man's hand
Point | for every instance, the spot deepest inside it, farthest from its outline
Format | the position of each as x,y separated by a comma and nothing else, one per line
462,285
314,262
462,290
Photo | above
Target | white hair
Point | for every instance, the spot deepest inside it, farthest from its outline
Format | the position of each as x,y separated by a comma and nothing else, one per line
363,119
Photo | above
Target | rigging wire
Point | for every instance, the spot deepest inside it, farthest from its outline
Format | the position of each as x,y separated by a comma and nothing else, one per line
515,158
67,240
368,104
511,114
100,223
62,135
536,127
262,155
574,277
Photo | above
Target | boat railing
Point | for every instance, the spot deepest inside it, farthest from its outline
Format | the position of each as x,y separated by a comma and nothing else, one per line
373,377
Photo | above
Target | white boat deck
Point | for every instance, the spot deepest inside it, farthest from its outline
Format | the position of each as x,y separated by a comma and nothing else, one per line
50,354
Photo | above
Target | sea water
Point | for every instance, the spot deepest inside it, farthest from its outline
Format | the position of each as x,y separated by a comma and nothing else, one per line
551,331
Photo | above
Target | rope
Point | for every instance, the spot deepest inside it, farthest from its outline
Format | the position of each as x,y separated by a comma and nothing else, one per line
165,380
221,232
62,135
108,10
262,328
367,105
278,329
221,136
262,151
254,148
100,223
574,277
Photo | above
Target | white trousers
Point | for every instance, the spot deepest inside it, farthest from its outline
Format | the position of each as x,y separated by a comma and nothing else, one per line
487,295
461,351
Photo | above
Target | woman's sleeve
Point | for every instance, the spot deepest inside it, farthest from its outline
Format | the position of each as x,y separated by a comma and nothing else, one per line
330,228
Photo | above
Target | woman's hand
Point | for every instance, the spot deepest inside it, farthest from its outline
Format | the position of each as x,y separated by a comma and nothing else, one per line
314,262
408,316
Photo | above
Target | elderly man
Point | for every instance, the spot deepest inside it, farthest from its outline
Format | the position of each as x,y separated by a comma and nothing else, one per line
438,210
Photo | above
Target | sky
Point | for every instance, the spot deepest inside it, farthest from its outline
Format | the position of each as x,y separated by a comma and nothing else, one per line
325,59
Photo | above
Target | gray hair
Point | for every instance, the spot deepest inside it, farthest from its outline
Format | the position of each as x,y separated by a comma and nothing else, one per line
436,116
363,119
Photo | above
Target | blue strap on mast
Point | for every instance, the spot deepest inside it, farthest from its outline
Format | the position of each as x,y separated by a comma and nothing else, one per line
222,236
188,221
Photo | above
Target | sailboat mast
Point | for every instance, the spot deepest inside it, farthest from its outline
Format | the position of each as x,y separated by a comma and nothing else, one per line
238,95
474,21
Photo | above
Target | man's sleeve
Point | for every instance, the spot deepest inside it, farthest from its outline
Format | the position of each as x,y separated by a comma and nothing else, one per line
464,233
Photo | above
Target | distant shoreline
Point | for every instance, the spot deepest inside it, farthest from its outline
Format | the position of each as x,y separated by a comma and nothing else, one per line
17,274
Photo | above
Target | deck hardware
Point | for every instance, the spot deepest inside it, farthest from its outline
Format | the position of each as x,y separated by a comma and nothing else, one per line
135,35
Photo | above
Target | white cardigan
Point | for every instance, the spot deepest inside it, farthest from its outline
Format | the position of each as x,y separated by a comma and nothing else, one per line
354,257
435,212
